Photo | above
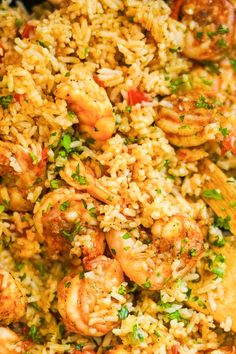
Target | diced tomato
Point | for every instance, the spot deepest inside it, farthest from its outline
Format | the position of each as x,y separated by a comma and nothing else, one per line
229,144
42,163
19,97
135,96
98,81
175,349
28,30
176,7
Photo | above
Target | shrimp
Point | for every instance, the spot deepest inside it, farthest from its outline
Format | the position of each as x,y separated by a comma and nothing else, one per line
21,172
187,120
10,342
192,155
12,298
210,27
80,176
92,106
87,305
64,217
176,245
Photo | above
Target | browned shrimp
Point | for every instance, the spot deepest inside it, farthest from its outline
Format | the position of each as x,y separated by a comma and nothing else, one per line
210,27
22,172
10,343
187,120
91,104
63,217
89,305
82,177
174,250
12,298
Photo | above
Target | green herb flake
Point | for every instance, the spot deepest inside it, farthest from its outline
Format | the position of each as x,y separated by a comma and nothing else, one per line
33,157
147,284
81,275
218,271
220,242
224,131
18,23
232,204
67,284
175,315
166,163
67,74
175,85
233,64
81,179
223,223
126,236
181,118
202,103
92,212
79,346
221,43
222,29
64,205
35,335
5,101
123,313
54,183
188,293
137,333
41,269
192,252
113,251
207,82
66,142
199,35
71,114
157,334
213,194
42,44
85,52
68,235
62,329
19,266
174,50
213,68
35,306
122,290
2,208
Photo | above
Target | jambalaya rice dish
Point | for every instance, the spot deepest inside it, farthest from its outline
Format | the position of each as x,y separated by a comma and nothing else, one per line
118,177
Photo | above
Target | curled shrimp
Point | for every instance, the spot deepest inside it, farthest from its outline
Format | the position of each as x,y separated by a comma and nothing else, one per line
210,27
10,342
64,217
82,177
22,172
87,305
12,298
187,120
173,250
91,104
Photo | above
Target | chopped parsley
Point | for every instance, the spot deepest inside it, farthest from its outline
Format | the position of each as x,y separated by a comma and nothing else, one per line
221,43
224,131
66,142
174,50
223,223
202,103
35,335
232,204
68,235
233,64
128,109
213,68
81,179
42,44
213,194
166,163
192,252
81,275
92,212
175,315
18,23
147,284
67,284
175,85
181,118
122,290
126,236
33,157
79,346
71,114
123,313
137,333
113,251
199,35
5,100
218,271
2,208
55,183
64,205
222,29
67,74
35,306
85,52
